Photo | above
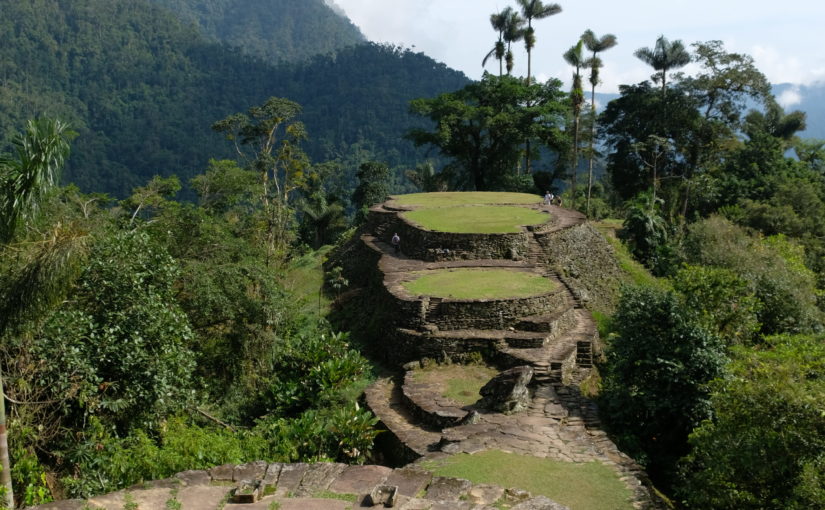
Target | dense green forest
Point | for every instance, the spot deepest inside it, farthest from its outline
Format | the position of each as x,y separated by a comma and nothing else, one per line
148,335
274,30
142,88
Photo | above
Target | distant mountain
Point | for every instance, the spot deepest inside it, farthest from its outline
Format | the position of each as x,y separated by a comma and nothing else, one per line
143,88
275,30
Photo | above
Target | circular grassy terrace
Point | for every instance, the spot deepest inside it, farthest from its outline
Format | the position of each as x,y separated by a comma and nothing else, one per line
460,383
481,219
465,283
458,198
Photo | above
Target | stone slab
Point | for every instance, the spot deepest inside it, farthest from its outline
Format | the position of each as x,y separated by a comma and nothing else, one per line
539,503
311,504
359,479
409,481
194,477
250,471
202,497
318,478
223,473
112,501
273,473
290,478
448,489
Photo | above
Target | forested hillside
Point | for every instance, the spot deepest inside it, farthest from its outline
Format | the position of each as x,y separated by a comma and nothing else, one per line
275,30
143,88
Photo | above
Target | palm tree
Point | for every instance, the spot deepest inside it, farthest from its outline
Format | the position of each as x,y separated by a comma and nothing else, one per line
513,32
534,9
575,58
24,179
596,45
664,56
499,22
34,168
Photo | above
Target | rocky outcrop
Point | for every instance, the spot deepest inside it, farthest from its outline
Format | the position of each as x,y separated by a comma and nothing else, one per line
507,393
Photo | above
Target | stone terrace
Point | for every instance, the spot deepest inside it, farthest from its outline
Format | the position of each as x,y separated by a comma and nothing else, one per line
553,333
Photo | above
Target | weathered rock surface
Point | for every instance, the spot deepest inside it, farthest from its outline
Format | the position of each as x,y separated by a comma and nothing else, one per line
507,392
303,486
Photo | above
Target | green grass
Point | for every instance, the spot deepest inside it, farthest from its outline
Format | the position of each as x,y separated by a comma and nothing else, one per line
456,198
482,219
590,486
461,383
352,498
479,284
305,277
636,273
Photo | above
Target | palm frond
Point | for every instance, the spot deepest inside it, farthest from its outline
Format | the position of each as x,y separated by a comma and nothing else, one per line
50,267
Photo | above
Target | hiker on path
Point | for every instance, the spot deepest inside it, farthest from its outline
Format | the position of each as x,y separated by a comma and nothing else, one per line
548,198
396,242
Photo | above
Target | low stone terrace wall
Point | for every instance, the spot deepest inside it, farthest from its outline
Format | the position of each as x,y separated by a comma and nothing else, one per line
452,314
430,246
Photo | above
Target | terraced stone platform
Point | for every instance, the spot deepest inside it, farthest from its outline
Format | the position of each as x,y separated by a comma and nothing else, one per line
552,332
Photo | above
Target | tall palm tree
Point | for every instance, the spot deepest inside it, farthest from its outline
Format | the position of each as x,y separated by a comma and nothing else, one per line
534,9
575,57
664,56
596,45
26,175
498,20
513,32
24,179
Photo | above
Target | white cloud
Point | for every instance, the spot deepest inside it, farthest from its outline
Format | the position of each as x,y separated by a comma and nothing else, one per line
784,39
790,97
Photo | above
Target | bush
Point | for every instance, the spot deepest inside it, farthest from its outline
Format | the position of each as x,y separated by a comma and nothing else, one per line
659,361
721,300
765,448
773,268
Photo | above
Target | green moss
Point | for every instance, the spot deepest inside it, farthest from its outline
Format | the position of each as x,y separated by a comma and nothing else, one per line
456,198
481,219
583,486
352,498
462,283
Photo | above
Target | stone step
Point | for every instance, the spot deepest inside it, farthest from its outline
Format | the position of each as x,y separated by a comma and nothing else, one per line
384,398
553,322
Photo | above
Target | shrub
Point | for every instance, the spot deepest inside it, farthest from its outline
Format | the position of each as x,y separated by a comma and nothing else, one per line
765,448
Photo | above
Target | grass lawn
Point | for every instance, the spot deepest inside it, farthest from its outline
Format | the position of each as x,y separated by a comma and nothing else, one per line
591,486
482,219
461,283
460,383
304,277
456,198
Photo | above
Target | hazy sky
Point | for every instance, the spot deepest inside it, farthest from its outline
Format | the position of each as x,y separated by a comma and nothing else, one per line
786,38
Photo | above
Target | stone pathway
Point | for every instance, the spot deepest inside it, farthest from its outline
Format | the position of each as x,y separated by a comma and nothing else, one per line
324,486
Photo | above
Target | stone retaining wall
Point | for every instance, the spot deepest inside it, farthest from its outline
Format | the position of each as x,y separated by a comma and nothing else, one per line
429,245
427,405
453,314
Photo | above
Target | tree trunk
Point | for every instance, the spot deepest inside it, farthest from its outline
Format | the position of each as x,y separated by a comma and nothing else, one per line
5,475
592,139
575,162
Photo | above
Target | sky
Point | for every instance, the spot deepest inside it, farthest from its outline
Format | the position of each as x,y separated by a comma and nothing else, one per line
786,39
